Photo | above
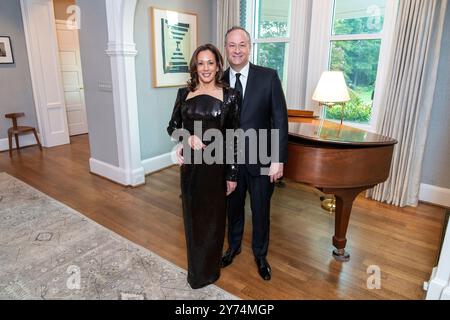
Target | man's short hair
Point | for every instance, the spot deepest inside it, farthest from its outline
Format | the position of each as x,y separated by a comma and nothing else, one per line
234,28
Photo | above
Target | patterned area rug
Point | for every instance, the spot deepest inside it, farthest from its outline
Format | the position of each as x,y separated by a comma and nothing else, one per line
50,251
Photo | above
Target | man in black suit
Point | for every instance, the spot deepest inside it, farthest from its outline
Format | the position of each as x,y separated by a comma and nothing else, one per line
263,107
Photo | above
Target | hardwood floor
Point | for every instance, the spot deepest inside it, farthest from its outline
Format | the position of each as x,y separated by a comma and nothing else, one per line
403,243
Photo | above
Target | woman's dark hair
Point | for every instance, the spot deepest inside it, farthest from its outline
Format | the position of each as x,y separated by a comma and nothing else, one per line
194,81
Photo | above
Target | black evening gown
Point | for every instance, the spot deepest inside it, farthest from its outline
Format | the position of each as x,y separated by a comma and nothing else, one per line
203,186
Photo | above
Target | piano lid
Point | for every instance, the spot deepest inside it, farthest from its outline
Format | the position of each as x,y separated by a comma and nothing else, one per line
332,132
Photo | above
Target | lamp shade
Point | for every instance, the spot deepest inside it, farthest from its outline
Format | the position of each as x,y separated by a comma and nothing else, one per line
331,88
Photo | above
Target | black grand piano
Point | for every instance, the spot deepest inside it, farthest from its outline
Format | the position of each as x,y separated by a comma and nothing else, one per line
339,160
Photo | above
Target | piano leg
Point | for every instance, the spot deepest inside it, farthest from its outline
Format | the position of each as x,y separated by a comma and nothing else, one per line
344,203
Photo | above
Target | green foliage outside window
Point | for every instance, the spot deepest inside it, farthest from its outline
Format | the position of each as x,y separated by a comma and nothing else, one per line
356,110
362,25
272,54
358,59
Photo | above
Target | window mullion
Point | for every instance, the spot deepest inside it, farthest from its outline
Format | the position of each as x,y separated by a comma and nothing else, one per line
346,37
271,40
255,19
253,31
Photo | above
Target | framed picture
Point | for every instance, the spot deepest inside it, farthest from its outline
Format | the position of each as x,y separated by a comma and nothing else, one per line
174,36
6,55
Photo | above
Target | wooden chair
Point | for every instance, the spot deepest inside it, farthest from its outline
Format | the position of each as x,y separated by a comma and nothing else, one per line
17,130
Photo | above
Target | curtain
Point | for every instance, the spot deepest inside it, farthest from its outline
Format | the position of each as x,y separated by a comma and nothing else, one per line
227,16
408,97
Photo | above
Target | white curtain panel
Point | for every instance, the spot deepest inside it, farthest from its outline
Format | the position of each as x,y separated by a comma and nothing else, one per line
227,16
408,96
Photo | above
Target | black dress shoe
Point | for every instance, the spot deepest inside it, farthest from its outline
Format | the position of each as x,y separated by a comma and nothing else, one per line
228,257
264,269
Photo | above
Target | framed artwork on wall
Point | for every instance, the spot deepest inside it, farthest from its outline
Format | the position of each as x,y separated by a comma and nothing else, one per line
6,54
174,36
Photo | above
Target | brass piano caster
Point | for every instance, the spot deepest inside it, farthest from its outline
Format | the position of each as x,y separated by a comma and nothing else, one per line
341,255
329,204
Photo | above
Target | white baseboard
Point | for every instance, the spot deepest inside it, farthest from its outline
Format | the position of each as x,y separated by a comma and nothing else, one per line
157,163
108,171
116,174
433,194
25,140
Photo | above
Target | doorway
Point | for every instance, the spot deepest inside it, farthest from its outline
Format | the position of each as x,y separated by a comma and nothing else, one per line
70,66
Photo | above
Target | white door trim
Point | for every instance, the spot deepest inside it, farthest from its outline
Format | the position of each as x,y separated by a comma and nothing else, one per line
42,49
122,52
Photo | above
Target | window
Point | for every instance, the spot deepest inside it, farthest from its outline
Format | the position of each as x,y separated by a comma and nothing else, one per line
355,41
268,21
309,37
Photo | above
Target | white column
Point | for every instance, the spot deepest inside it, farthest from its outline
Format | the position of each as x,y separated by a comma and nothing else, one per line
122,52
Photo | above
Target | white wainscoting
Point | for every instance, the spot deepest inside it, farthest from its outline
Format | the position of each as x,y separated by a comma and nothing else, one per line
436,195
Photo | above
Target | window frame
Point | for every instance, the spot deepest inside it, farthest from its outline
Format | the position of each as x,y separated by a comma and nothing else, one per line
309,52
320,52
252,21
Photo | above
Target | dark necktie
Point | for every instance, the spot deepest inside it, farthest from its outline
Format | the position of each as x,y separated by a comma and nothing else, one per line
238,85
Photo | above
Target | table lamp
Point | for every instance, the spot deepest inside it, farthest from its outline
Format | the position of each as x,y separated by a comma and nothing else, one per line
332,90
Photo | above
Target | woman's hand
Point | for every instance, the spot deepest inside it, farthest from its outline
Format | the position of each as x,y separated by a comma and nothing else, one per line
231,186
195,143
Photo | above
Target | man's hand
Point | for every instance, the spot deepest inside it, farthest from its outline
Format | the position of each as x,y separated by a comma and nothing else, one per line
179,153
195,143
231,186
276,171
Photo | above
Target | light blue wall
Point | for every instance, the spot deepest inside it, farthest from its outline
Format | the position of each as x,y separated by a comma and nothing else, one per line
97,68
16,91
436,165
155,104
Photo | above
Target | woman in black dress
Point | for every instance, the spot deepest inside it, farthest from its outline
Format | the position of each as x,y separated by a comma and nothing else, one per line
204,187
